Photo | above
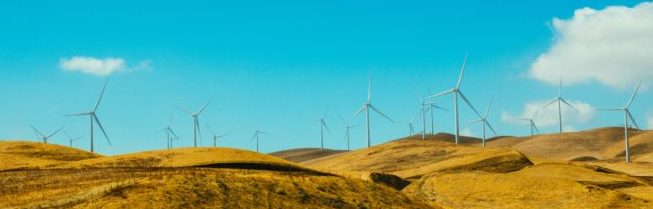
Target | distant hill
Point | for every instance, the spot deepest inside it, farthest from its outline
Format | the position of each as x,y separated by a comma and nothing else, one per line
305,154
25,154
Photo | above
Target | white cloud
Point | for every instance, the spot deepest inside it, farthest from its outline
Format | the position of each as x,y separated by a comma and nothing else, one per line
101,67
467,132
93,66
548,117
596,45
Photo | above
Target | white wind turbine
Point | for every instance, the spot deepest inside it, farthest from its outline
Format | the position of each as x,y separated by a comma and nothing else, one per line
323,126
170,134
215,136
411,124
627,116
366,107
256,135
458,93
531,122
485,122
560,100
44,137
94,118
71,139
196,121
431,108
348,132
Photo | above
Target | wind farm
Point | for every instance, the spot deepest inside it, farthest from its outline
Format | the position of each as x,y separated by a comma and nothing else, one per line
323,105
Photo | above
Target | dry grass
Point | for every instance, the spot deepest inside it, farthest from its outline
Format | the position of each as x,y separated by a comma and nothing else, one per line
181,157
413,157
305,154
540,186
24,154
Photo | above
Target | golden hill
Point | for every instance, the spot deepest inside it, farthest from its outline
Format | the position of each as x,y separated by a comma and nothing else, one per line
305,154
540,186
413,157
594,144
25,154
180,157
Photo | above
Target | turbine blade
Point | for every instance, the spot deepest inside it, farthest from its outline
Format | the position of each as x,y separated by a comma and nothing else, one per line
462,72
342,119
359,111
469,104
536,129
487,109
632,119
37,131
380,113
325,113
325,126
78,114
172,132
369,90
97,104
567,103
552,101
55,132
184,110
97,120
441,94
609,109
209,127
205,105
632,98
491,128
223,135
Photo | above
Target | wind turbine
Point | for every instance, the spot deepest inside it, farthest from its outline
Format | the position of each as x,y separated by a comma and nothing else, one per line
628,116
485,122
256,134
560,100
366,107
94,117
323,126
531,123
348,131
43,136
411,127
215,136
196,121
169,132
431,108
458,93
71,139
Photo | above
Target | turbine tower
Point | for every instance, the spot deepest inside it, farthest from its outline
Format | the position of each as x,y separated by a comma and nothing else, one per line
256,134
196,121
215,136
627,116
485,122
458,93
410,123
560,100
323,126
42,136
71,139
531,123
93,118
366,107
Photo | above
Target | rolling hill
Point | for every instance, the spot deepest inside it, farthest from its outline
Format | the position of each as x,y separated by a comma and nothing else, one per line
25,154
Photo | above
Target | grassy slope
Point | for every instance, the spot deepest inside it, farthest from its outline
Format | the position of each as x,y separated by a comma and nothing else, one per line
24,154
305,154
412,157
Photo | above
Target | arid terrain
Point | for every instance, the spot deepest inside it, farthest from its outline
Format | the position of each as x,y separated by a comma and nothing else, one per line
573,170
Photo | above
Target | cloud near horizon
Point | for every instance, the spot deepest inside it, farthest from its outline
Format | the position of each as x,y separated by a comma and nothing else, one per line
597,45
100,67
548,117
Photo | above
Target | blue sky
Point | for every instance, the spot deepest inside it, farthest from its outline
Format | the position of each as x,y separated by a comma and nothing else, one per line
278,66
